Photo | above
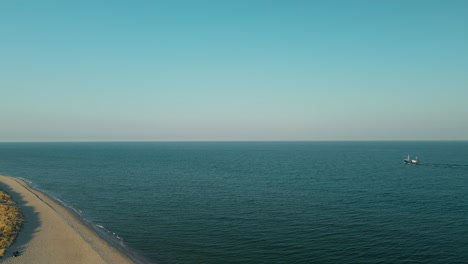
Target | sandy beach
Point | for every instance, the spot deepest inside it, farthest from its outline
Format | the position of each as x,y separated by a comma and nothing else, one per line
53,234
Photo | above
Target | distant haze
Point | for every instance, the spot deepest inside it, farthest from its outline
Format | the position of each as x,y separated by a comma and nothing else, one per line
233,70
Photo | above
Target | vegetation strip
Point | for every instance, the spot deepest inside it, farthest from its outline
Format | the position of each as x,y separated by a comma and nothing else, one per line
11,220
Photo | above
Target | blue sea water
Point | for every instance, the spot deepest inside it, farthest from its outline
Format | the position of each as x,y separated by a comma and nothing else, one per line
262,202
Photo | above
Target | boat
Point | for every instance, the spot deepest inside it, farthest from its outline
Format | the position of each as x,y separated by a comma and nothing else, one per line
412,161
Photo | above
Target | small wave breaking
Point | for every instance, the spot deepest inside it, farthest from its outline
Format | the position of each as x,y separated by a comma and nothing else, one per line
114,236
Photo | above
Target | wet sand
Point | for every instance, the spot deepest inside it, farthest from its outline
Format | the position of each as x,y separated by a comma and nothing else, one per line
53,234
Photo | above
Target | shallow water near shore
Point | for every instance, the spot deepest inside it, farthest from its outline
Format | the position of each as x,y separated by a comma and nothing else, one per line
262,202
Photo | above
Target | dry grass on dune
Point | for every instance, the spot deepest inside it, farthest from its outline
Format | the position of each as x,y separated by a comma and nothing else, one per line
11,219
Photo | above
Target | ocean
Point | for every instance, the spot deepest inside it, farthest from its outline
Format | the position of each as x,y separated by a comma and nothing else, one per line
261,202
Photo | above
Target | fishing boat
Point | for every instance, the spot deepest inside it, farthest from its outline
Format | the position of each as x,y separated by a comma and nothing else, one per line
412,161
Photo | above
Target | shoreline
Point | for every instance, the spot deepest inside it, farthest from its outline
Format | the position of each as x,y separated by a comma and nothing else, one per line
54,233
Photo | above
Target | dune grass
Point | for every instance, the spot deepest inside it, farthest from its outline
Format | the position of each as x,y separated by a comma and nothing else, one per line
11,220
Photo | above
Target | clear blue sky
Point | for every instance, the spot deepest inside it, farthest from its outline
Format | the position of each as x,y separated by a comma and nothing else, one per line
233,70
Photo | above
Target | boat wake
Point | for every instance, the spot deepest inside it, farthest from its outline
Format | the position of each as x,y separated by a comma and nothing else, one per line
446,165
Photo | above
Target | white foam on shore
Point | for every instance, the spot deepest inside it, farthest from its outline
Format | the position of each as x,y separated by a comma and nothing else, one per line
101,229
111,234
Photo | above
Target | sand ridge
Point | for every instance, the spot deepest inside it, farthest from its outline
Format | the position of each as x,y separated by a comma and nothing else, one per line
53,234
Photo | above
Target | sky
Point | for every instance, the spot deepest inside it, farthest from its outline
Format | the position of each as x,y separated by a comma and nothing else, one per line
233,70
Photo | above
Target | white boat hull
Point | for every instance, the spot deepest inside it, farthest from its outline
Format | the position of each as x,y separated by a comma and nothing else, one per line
412,161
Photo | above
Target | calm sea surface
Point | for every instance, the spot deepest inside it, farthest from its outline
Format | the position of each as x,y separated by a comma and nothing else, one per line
262,202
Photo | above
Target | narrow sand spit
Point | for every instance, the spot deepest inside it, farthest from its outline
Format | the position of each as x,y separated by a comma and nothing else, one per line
52,234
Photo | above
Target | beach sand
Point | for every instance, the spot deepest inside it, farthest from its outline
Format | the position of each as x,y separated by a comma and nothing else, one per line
53,233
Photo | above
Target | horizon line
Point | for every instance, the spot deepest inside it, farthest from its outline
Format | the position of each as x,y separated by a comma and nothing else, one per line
194,141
